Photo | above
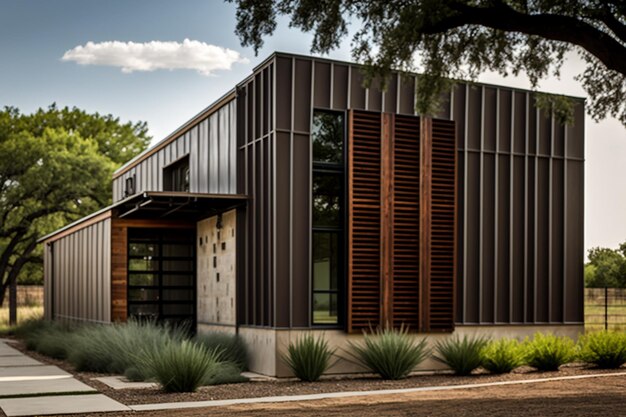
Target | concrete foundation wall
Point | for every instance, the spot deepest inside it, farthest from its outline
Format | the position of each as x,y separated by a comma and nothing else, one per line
266,346
216,256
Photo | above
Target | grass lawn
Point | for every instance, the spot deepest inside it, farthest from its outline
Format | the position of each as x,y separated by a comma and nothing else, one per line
23,313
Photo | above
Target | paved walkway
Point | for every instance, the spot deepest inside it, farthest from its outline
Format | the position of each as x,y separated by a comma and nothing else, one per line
29,387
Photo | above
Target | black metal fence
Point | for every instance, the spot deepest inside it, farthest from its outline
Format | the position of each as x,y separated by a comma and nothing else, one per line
605,308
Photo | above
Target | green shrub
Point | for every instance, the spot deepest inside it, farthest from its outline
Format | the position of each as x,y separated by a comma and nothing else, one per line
391,353
53,342
502,356
180,366
232,346
308,357
461,355
548,352
604,349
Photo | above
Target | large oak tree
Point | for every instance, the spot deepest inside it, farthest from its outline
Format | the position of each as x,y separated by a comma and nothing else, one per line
55,167
460,39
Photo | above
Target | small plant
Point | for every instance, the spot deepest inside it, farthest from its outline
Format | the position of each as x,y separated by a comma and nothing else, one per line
391,353
548,352
502,356
461,355
225,373
233,348
180,366
308,357
606,350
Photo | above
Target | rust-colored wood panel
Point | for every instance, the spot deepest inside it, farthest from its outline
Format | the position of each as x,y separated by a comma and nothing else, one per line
364,211
426,141
386,218
441,210
119,272
405,226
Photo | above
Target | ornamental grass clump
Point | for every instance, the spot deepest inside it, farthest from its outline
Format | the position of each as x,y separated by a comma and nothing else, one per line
391,353
604,349
461,355
548,352
180,366
232,346
308,357
502,356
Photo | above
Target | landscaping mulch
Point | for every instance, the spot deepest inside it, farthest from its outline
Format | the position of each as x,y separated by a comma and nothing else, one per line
291,387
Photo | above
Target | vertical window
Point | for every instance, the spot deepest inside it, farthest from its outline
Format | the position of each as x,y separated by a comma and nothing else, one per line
129,186
176,176
328,175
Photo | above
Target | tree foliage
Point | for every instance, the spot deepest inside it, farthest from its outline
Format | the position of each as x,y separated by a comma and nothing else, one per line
56,167
606,268
448,39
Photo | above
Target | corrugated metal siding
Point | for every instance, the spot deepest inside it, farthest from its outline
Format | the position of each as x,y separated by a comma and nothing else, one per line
519,209
211,147
78,275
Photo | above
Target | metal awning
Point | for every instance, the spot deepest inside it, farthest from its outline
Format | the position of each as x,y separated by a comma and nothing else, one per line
173,205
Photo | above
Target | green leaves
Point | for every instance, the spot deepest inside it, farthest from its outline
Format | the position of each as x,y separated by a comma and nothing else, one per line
461,355
605,349
391,353
308,357
548,352
502,356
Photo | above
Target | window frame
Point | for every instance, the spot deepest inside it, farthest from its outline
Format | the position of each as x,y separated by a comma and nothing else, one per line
174,172
339,169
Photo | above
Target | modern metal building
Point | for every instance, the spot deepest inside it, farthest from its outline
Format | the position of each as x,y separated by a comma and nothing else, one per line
303,201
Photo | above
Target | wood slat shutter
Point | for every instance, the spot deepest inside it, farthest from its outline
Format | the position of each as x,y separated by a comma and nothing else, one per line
405,223
440,261
364,211
401,222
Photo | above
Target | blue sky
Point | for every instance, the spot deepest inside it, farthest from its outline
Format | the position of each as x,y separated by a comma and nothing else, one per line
35,35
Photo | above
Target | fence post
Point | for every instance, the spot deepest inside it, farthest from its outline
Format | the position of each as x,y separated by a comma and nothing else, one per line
606,308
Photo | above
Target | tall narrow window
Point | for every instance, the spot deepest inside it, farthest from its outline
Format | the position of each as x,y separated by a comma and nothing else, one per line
328,176
176,176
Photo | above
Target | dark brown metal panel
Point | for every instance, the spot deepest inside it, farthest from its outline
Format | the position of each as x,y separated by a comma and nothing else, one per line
283,93
557,243
406,220
517,297
391,94
407,95
490,118
501,289
519,122
375,95
575,141
283,220
545,132
364,213
574,311
488,248
441,285
340,87
529,306
504,119
302,100
301,230
474,117
559,139
543,243
357,92
322,85
472,205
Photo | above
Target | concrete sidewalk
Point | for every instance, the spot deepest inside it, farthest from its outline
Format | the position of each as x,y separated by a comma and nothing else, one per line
29,387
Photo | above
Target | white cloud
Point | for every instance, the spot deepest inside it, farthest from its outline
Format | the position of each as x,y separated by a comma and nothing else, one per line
150,56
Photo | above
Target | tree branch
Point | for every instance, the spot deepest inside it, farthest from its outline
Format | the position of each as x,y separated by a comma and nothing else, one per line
550,26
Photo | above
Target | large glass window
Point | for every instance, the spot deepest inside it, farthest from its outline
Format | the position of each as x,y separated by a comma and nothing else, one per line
328,178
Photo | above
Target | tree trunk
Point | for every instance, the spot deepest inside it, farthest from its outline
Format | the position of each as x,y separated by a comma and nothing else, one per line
13,301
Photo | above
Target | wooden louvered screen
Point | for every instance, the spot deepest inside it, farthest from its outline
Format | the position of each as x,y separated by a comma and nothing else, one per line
405,223
401,222
443,227
364,211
